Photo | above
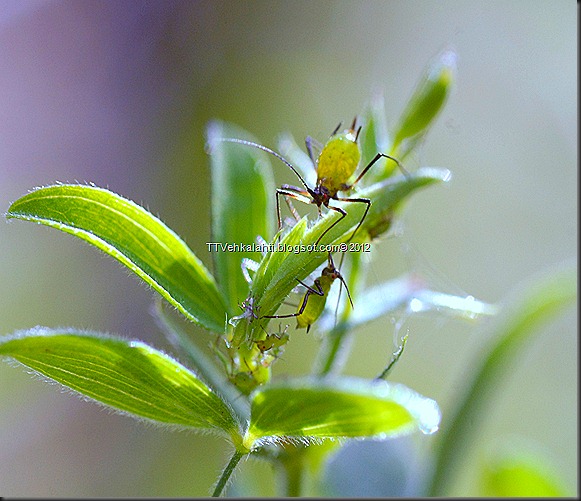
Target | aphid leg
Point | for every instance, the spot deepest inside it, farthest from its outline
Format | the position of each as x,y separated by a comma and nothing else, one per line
293,192
362,201
336,209
336,129
375,159
290,315
330,262
248,312
310,290
291,208
319,291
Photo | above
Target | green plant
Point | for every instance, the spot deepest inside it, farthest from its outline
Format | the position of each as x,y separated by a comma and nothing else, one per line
284,422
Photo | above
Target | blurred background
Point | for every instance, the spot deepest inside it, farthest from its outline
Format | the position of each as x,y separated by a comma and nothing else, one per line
119,93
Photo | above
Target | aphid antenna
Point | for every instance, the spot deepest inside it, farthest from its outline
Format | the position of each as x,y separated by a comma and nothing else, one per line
341,287
272,152
342,283
340,277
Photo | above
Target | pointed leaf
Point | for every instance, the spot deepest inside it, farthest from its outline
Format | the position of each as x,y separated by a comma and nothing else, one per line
428,98
243,196
134,237
408,291
348,407
129,376
205,366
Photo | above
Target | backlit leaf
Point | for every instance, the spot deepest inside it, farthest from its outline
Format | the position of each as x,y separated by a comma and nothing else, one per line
307,409
533,304
243,206
129,376
134,237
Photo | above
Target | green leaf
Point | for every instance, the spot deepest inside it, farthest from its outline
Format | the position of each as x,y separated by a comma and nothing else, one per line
533,304
309,408
280,268
134,237
428,98
408,291
243,196
517,471
127,375
202,362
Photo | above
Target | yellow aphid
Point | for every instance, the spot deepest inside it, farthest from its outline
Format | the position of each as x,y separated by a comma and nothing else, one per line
336,164
315,298
338,161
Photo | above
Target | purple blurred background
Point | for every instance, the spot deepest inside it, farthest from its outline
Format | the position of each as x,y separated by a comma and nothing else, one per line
118,93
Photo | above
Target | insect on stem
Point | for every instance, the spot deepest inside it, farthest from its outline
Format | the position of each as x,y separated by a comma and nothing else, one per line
335,165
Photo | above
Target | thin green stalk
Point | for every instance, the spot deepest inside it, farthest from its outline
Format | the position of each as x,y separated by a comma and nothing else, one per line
394,358
331,349
535,304
227,473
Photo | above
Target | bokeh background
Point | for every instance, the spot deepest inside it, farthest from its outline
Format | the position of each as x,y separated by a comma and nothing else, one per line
118,94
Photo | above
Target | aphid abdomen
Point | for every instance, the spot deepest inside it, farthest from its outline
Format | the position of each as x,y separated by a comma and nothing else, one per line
337,162
315,304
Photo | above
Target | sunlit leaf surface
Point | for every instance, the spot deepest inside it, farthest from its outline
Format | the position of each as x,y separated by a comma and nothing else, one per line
134,237
343,408
129,376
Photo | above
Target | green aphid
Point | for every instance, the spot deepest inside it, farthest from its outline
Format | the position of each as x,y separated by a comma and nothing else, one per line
315,298
335,165
273,341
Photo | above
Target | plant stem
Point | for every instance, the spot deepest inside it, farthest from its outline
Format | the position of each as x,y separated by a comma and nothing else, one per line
227,473
293,464
328,359
332,354
394,358
200,362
